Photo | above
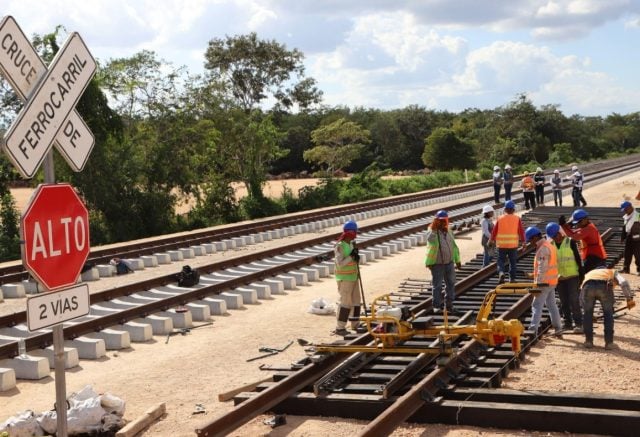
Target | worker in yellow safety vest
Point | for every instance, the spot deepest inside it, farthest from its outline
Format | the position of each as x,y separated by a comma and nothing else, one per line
506,235
545,274
442,255
346,259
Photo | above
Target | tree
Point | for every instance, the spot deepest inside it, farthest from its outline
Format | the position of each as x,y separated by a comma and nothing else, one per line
337,145
256,69
445,151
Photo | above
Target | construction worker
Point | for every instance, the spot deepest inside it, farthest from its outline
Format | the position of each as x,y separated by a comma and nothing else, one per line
539,180
556,187
630,236
442,254
507,179
506,235
577,182
528,191
592,250
545,274
346,262
497,184
598,285
487,226
569,277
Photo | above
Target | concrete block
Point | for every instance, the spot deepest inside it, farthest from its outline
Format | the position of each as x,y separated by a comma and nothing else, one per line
300,277
413,240
1,297
275,286
90,275
209,247
138,332
266,236
7,379
288,281
323,270
238,241
257,238
330,265
263,290
233,300
31,287
198,250
149,260
27,367
106,270
135,263
88,348
113,340
199,312
220,246
163,258
71,358
247,240
386,250
187,253
249,296
180,320
13,291
159,325
175,255
275,233
312,274
217,307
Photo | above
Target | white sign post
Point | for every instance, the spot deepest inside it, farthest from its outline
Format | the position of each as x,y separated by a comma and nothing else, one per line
49,309
30,136
23,68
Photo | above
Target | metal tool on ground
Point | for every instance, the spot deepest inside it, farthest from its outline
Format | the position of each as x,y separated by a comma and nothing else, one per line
391,326
184,331
364,302
270,351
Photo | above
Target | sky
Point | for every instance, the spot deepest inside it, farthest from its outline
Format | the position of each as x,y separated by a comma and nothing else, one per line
387,54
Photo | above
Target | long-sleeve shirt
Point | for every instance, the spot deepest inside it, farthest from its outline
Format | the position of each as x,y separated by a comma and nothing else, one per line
590,238
577,179
543,257
486,226
497,177
629,220
340,258
539,179
494,232
556,183
445,253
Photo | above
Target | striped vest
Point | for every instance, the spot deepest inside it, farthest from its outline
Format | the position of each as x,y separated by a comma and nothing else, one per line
551,275
349,271
507,235
567,267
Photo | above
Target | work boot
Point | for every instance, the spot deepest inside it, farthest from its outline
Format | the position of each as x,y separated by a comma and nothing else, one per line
610,346
356,315
341,331
588,344
343,317
501,278
578,330
558,333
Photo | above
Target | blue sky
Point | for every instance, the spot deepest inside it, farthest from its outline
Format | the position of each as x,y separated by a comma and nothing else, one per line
441,54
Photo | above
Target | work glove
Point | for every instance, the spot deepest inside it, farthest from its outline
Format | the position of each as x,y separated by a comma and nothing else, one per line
458,266
630,303
355,255
562,220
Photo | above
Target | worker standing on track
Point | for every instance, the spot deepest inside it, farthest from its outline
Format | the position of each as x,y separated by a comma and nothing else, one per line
577,183
346,262
508,182
442,254
545,271
592,250
528,191
487,226
598,285
497,184
506,235
540,181
630,236
569,277
556,186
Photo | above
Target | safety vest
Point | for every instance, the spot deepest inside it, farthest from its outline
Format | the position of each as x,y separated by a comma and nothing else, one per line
349,271
551,275
527,183
507,235
432,251
567,266
599,275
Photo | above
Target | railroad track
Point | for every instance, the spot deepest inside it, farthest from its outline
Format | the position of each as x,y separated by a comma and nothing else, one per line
227,237
388,389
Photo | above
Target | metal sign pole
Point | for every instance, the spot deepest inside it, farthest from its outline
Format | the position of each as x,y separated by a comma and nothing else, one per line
58,336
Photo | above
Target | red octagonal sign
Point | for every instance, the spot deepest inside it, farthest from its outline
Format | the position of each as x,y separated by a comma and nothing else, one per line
55,235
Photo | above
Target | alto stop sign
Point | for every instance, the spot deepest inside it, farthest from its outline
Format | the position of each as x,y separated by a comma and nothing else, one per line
55,235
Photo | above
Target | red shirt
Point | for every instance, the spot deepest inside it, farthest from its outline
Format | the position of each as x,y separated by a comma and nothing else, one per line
590,239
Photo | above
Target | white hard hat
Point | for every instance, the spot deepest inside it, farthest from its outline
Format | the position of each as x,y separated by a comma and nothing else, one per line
574,168
556,171
496,168
538,169
487,208
507,167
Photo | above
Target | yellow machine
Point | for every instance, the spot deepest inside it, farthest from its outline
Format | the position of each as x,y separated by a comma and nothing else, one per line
391,326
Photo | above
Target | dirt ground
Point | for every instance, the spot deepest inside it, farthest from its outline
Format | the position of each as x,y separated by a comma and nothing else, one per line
195,368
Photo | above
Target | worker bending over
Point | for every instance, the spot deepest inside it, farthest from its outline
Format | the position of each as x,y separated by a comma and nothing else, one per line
346,262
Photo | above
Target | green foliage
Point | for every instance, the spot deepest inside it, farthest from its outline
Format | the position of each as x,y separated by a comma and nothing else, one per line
9,228
445,151
337,145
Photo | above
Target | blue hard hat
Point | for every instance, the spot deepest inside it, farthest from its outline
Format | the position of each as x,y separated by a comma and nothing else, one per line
552,229
442,214
350,226
531,232
578,215
624,205
509,204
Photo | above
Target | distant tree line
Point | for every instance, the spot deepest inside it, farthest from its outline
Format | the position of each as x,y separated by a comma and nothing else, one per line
164,136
